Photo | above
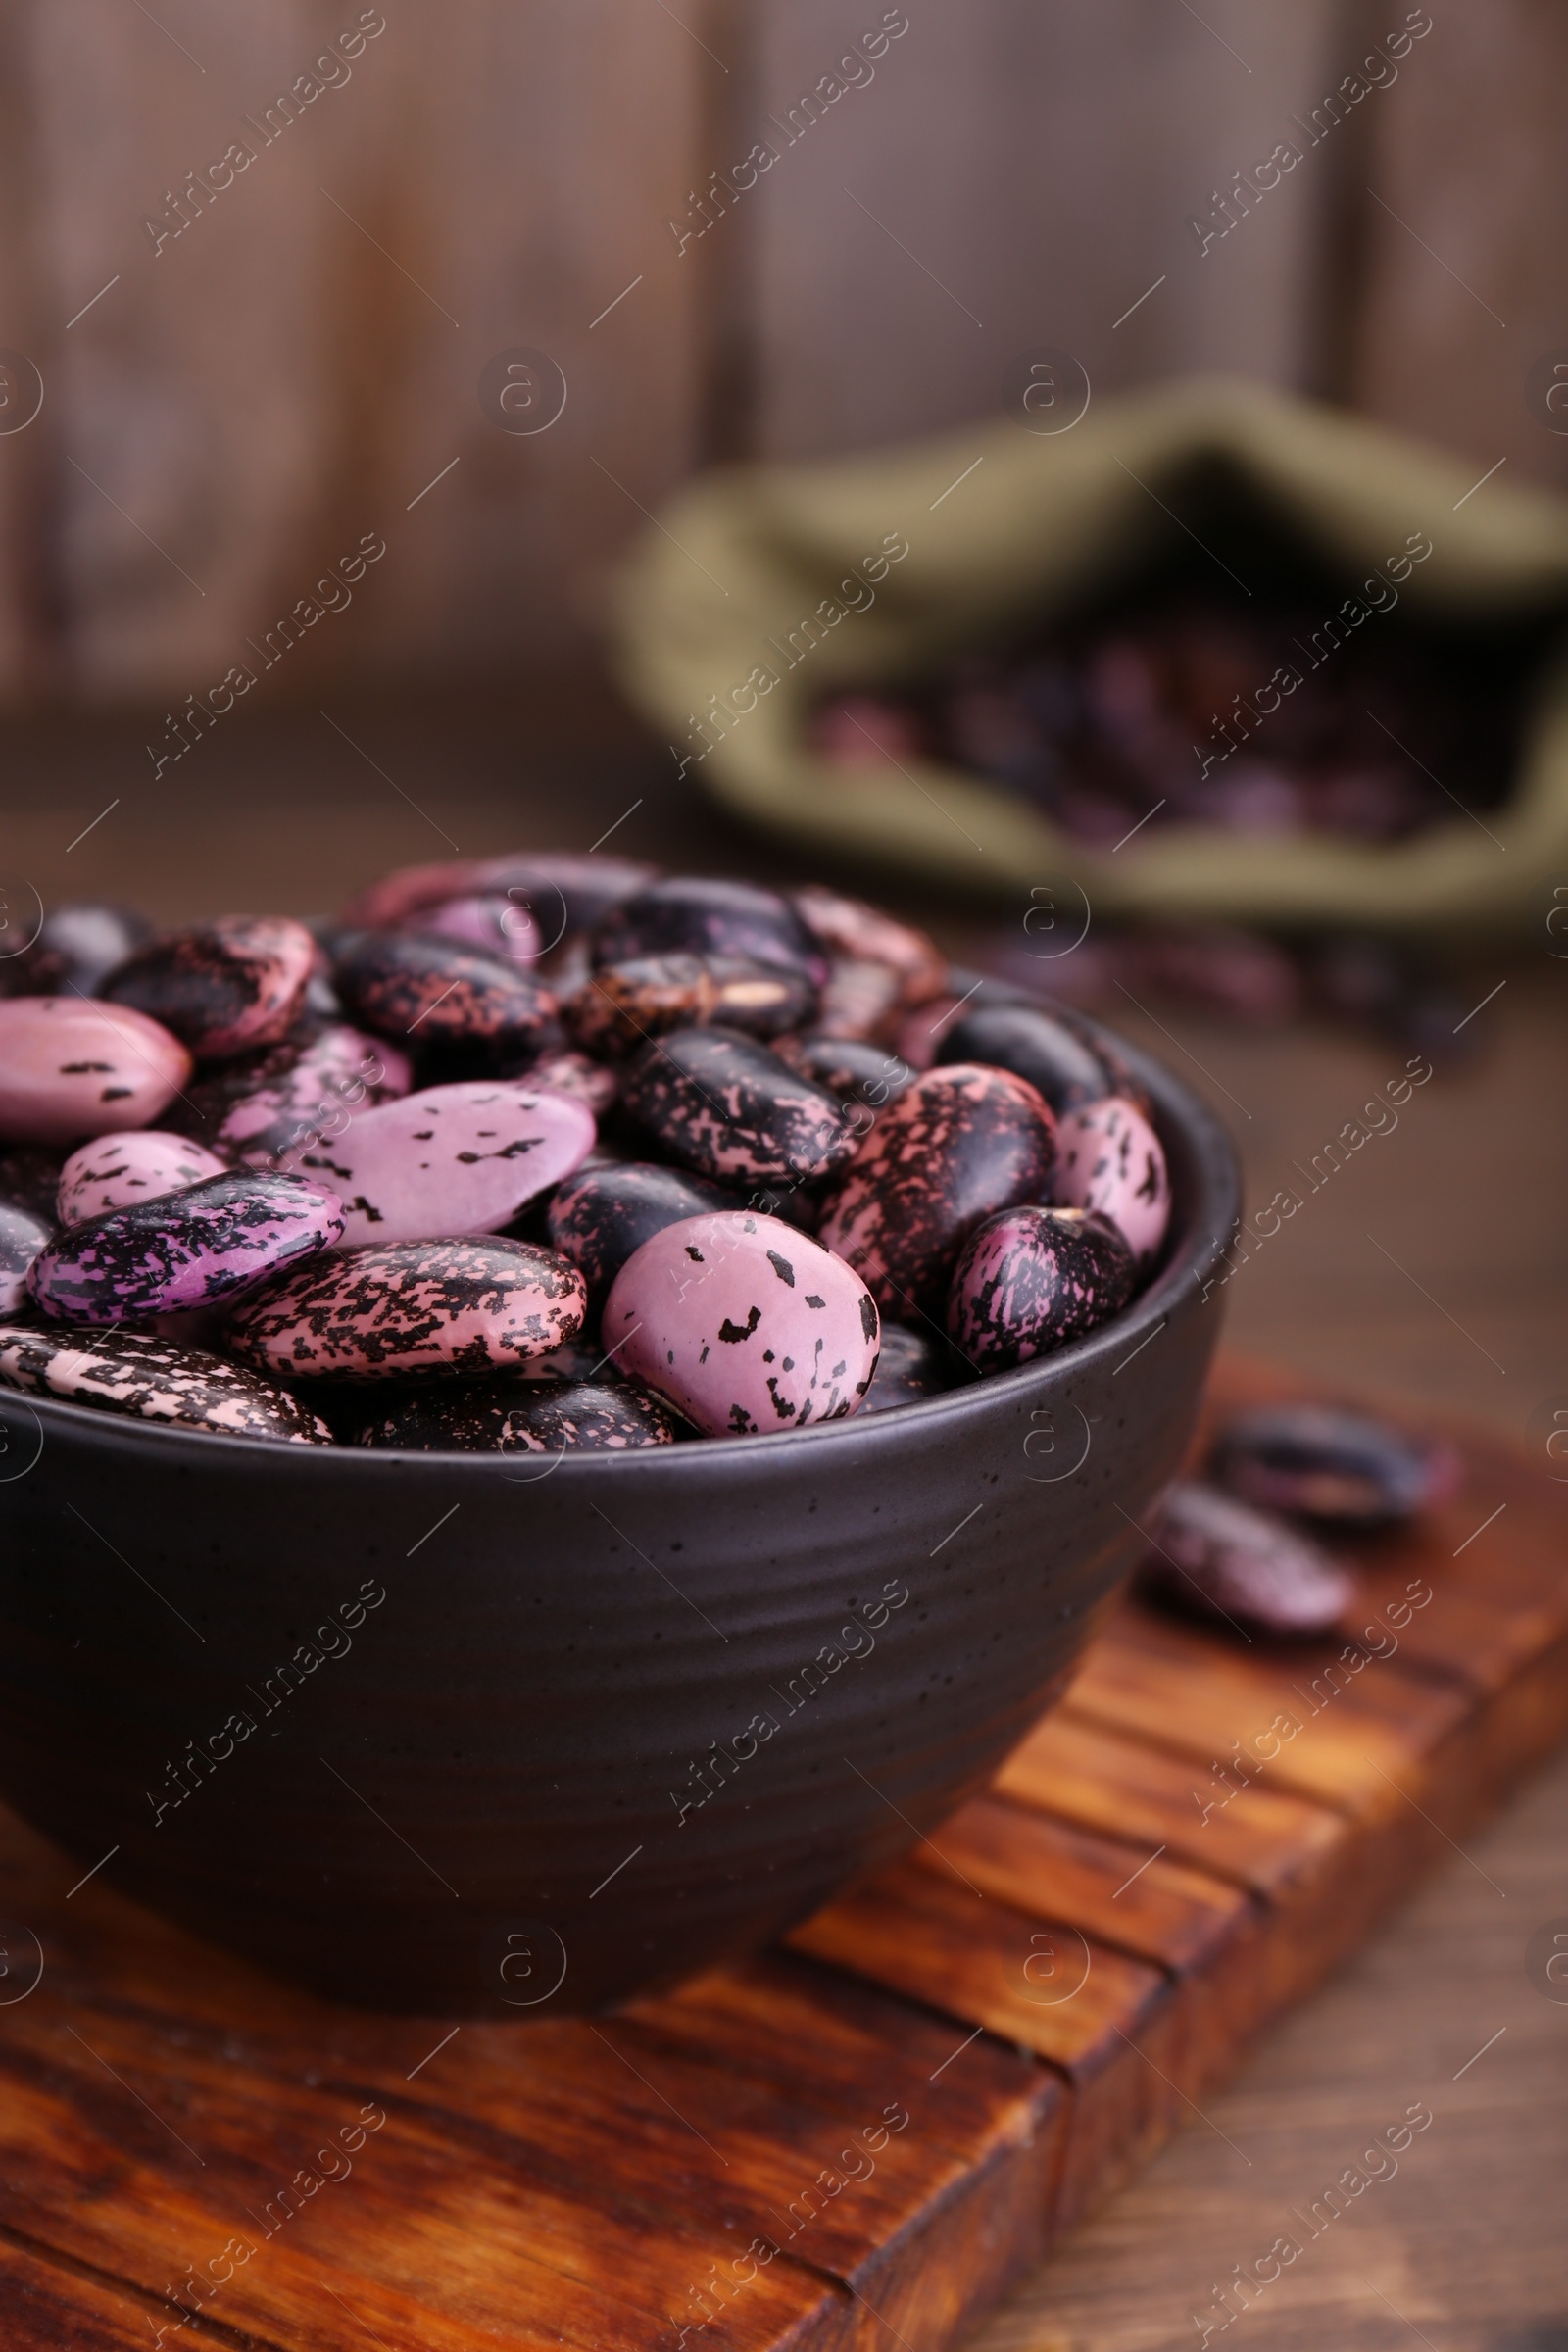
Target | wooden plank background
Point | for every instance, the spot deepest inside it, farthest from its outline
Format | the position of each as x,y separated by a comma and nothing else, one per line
235,408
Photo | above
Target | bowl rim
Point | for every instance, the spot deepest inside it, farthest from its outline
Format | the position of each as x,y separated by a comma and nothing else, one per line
1212,1216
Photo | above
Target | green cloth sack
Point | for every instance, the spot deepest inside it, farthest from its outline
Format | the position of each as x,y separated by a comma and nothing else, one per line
766,588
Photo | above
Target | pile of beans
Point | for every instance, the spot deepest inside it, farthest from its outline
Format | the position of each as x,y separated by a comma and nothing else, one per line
542,1152
1243,1545
1183,710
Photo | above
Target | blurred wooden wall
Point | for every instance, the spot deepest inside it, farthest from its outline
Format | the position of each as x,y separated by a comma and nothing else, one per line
239,403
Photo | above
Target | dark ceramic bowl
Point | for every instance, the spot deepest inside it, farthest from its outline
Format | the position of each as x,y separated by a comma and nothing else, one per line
469,1732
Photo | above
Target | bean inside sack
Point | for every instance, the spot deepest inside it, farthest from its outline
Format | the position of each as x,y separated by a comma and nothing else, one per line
548,1153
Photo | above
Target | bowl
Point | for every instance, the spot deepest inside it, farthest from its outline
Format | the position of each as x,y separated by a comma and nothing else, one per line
486,1734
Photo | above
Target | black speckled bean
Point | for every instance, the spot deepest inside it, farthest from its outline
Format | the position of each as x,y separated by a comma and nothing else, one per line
956,1146
1031,1279
425,993
599,1215
543,1416
723,1104
851,1067
221,988
1054,1057
622,1004
700,915
1341,1467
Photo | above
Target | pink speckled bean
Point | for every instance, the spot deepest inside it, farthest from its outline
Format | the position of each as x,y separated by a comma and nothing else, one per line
69,1068
1111,1160
459,1308
187,1249
450,1159
744,1324
118,1170
488,920
340,1074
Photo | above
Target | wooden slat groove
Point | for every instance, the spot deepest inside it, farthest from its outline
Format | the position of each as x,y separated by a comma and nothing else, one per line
61,2261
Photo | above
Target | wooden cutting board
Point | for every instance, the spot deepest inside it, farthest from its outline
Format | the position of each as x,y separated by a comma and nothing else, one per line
860,2141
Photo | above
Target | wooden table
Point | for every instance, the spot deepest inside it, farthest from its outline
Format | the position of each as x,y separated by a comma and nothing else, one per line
866,2138
1465,2246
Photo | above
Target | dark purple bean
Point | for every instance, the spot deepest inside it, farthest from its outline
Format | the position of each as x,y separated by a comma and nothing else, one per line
1044,1048
909,1368
1217,1557
699,915
1343,1468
